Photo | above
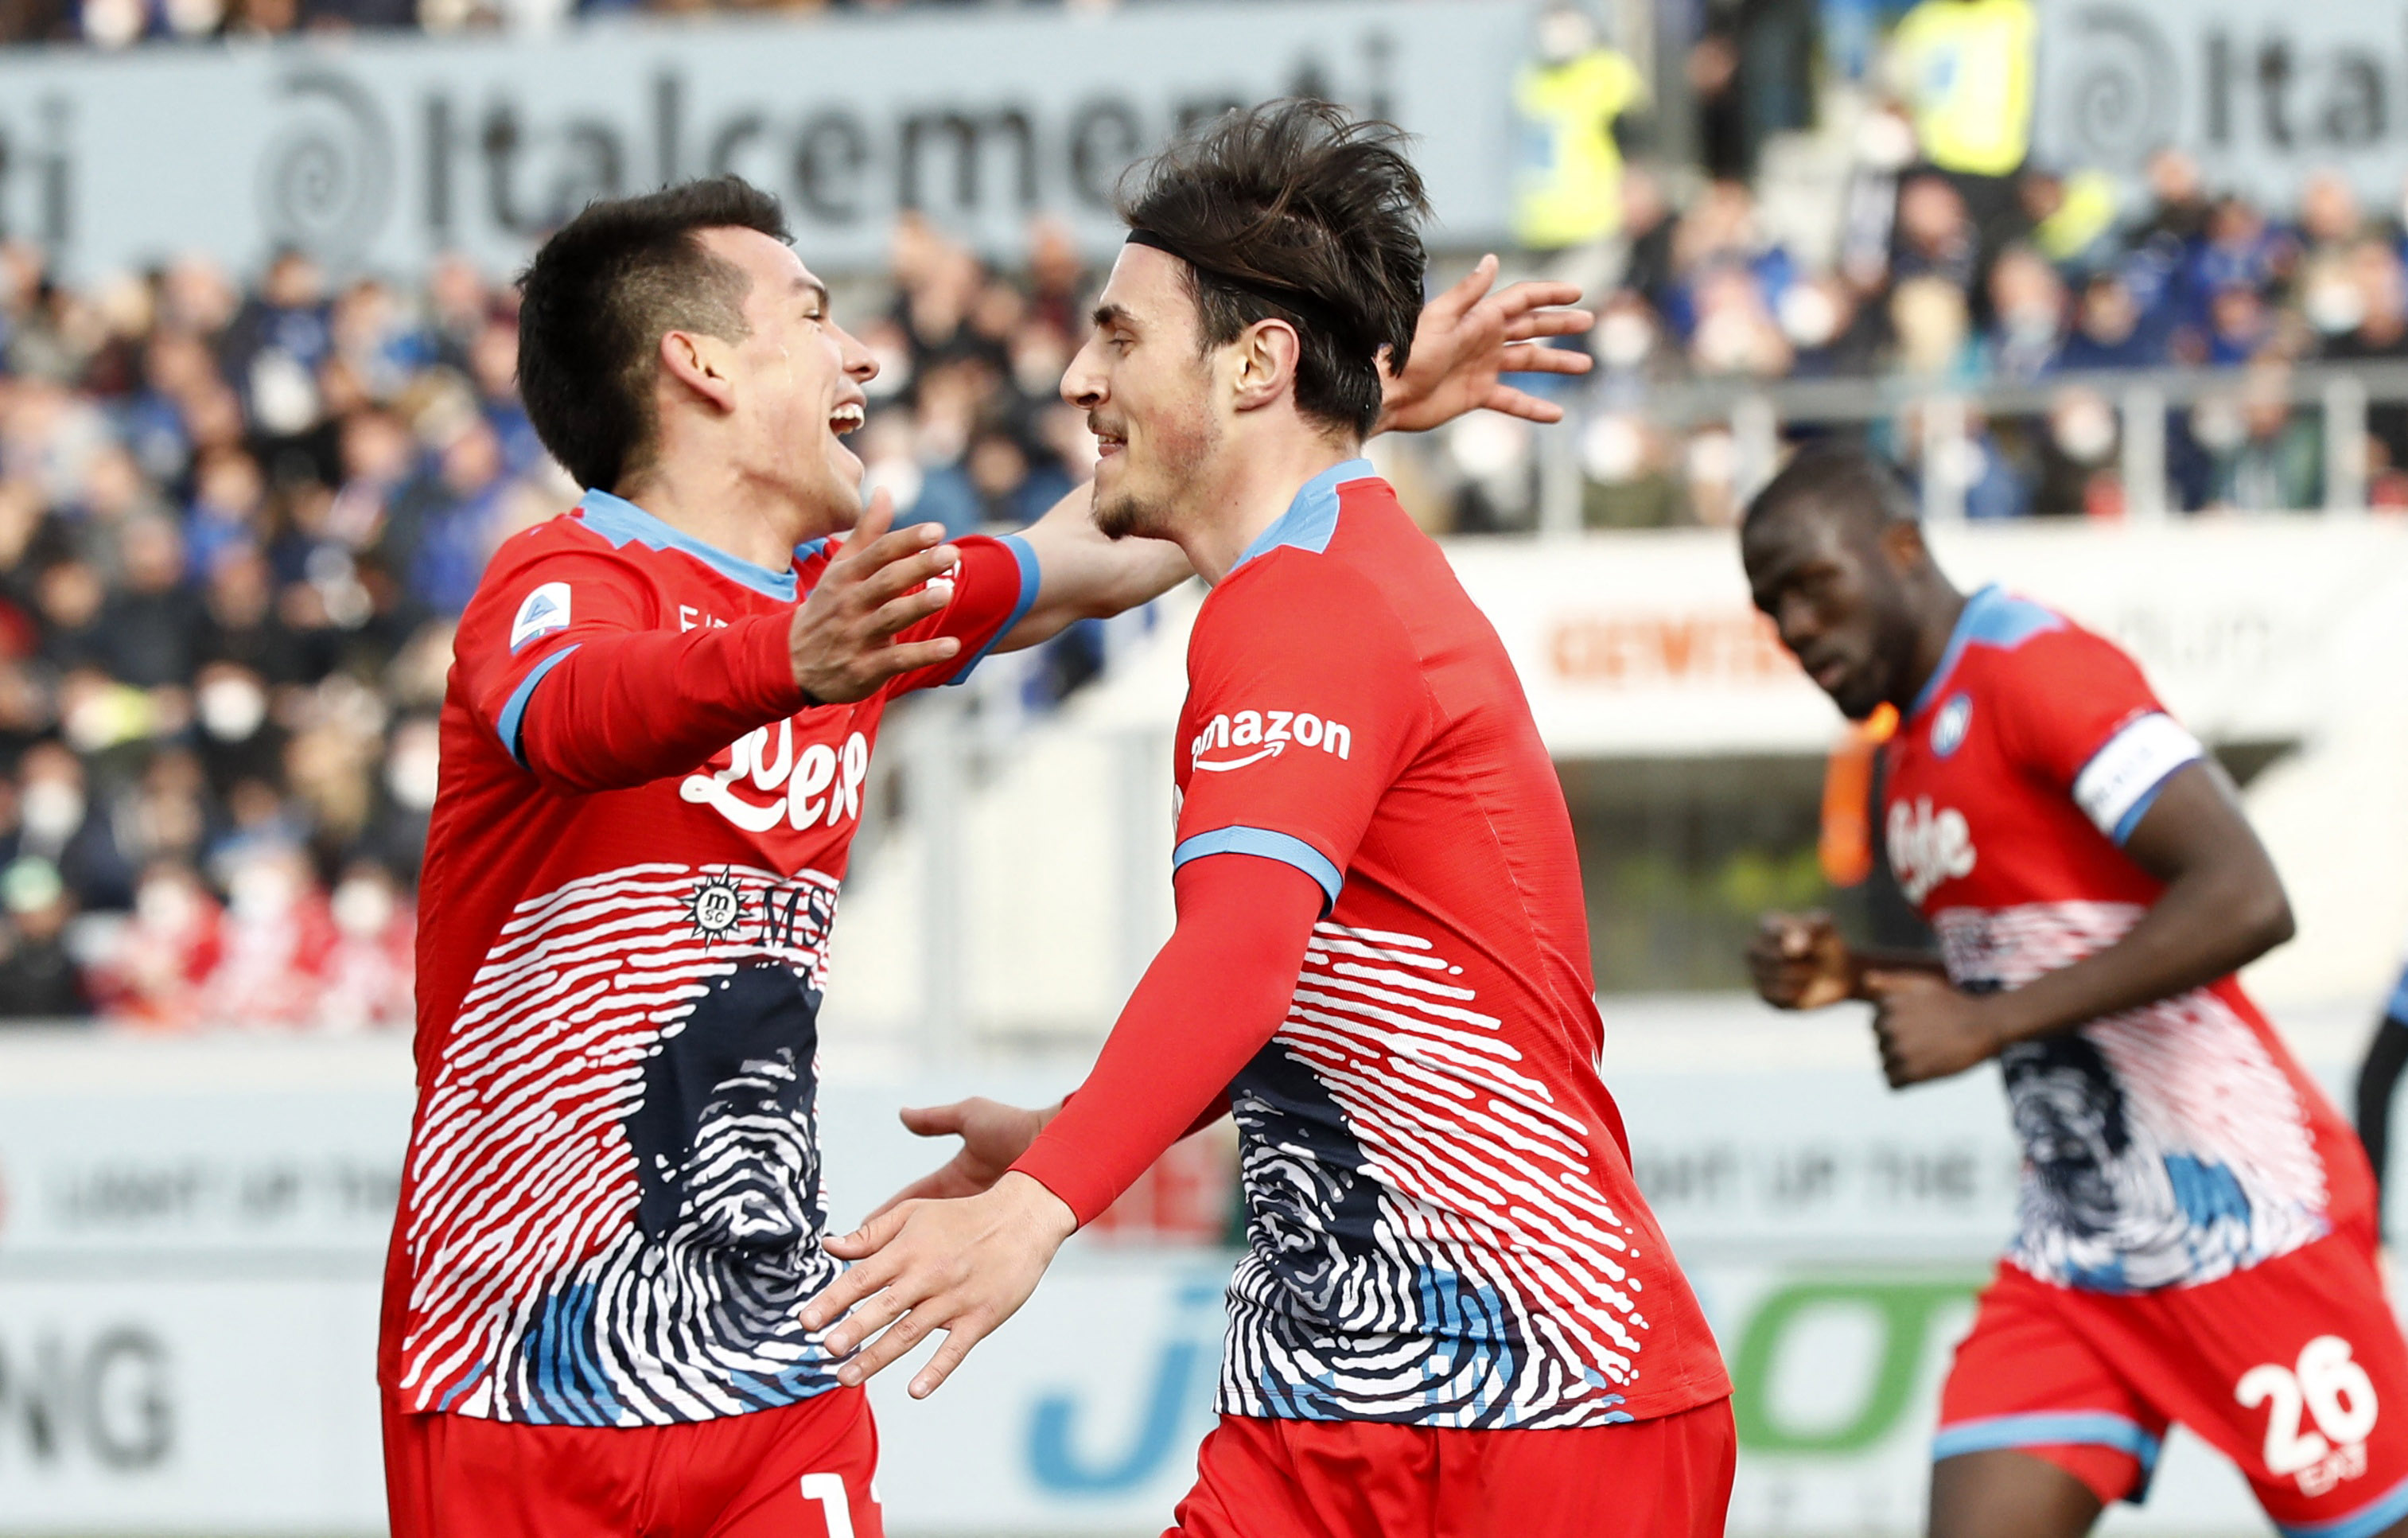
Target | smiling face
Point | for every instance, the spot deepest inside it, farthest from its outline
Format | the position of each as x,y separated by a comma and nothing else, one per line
1834,586
1148,392
798,379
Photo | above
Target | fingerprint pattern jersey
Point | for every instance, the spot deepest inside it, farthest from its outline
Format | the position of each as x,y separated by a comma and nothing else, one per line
1441,1224
611,1208
2166,1146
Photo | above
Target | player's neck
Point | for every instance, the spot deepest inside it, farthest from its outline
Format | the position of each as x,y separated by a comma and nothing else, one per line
1261,482
1940,611
714,505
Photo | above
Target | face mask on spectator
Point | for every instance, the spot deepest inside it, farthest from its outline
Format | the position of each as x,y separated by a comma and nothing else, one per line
2334,304
1624,339
262,889
411,771
232,707
167,905
52,810
362,907
1613,450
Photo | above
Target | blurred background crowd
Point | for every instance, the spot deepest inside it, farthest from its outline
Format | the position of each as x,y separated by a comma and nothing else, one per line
239,518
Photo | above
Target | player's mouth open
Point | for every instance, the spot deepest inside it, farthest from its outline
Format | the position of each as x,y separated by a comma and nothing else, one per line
1107,445
846,419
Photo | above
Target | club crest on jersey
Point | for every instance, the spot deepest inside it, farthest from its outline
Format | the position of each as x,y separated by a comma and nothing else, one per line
1248,736
1927,848
1948,728
544,610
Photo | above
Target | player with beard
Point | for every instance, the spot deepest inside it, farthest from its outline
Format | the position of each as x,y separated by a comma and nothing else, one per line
2196,1236
1455,1314
655,736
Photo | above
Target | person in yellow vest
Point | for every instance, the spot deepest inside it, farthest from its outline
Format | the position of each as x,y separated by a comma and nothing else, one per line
1965,69
1573,101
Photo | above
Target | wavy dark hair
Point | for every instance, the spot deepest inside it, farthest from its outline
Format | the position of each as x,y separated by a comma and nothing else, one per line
598,298
1293,210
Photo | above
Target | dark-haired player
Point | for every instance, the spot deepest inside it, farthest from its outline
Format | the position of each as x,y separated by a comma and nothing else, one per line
1455,1314
2197,1242
655,736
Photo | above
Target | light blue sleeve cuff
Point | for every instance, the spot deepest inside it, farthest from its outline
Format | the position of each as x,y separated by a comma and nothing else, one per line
1286,848
1025,554
514,712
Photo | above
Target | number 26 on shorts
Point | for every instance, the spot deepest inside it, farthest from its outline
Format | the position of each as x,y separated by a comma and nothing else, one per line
2335,1393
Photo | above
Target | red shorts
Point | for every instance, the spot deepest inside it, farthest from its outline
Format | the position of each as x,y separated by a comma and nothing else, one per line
799,1472
2294,1370
1664,1478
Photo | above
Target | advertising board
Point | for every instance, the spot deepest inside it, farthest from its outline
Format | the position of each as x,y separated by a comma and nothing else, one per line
189,1276
381,152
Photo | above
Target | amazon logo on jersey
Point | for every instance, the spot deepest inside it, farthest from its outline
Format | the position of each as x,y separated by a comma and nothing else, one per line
1248,736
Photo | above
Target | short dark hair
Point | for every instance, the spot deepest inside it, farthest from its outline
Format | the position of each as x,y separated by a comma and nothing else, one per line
598,298
1841,476
1295,211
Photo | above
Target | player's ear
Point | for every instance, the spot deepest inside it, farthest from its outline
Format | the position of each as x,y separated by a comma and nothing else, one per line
1903,543
700,363
1265,354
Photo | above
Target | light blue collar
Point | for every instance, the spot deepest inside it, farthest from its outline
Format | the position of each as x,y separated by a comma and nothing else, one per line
623,523
1970,621
1311,518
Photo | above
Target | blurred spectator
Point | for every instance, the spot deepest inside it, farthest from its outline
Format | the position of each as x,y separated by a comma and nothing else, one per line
1965,68
1577,99
39,980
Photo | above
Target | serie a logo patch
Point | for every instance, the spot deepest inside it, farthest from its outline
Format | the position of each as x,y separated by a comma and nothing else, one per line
544,610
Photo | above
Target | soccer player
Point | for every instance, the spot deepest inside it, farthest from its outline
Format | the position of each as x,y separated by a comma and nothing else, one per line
2197,1237
653,760
1455,1314
2378,1081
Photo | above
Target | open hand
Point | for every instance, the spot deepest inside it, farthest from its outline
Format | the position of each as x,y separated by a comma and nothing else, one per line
1927,1028
993,1135
1467,336
962,1267
842,639
1799,961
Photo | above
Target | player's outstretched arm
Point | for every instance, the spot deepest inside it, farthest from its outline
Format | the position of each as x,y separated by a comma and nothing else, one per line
1082,575
1467,337
2222,908
1212,999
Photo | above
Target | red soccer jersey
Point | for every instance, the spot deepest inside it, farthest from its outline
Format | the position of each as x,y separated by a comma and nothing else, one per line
610,1211
1443,1228
2172,1143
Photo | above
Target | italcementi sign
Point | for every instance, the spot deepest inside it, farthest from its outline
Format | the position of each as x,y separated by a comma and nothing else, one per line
381,152
2262,92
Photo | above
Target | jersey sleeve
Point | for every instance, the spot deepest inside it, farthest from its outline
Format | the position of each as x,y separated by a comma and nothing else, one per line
1306,700
562,658
2080,718
994,586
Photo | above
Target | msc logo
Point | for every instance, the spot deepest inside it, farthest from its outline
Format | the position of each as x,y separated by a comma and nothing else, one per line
818,786
1253,736
1927,848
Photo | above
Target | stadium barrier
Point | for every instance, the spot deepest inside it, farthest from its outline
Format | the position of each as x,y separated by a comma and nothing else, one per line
193,1232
